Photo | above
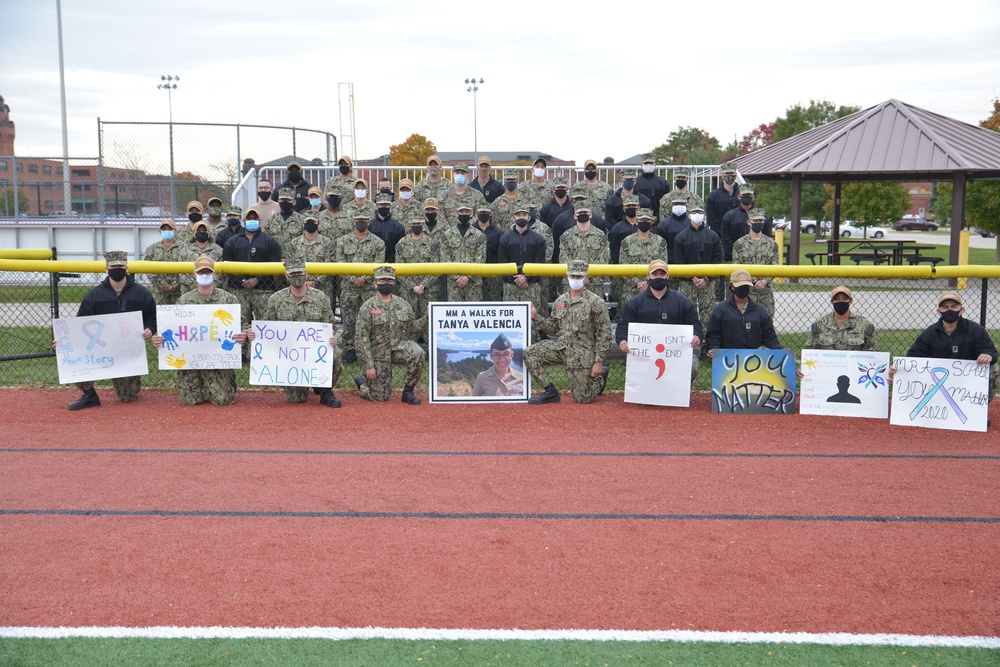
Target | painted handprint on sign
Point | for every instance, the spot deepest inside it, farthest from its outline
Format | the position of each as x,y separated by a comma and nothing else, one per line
224,317
168,339
176,362
227,342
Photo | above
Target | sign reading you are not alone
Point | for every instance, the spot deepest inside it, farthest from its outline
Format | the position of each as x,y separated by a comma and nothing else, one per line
291,354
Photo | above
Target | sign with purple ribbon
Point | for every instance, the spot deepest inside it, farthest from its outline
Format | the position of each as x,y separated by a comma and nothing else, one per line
199,336
845,383
940,393
100,347
291,354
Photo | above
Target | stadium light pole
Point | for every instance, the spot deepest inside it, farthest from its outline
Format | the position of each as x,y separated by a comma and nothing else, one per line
473,88
67,194
169,85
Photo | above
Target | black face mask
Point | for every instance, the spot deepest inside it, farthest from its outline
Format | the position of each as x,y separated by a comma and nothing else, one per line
416,230
743,291
510,186
310,226
644,225
194,217
117,274
628,184
464,218
431,217
583,217
233,222
286,206
841,307
201,237
334,202
345,169
521,222
483,217
361,225
950,316
590,174
560,193
264,194
384,211
657,283
385,289
630,212
680,183
294,176
757,227
746,200
385,191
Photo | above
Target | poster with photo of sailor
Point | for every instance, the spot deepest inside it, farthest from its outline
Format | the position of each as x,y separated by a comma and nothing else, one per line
477,352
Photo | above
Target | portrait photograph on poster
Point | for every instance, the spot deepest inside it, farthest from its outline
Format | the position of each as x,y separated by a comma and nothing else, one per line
476,352
951,394
845,383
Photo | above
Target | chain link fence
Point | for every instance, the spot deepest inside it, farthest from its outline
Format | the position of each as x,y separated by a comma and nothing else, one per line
899,309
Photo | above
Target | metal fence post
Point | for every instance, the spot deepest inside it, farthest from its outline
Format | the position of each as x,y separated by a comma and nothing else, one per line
17,207
983,298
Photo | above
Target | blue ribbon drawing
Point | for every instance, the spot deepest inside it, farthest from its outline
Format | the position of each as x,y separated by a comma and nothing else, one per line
321,354
256,351
95,336
872,376
938,387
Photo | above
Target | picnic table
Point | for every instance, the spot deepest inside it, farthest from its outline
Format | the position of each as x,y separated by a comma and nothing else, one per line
876,251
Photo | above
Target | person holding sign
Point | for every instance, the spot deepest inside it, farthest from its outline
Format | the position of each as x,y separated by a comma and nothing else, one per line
118,293
300,303
580,320
739,323
499,379
385,323
217,384
658,304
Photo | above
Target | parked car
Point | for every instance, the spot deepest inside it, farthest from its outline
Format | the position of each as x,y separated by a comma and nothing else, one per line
806,225
985,234
848,230
914,223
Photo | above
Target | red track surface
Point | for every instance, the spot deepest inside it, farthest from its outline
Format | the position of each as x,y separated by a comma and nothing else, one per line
926,577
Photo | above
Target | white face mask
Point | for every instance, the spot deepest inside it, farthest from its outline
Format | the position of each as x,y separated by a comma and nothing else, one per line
360,193
204,279
405,194
577,284
539,173
697,218
679,210
648,168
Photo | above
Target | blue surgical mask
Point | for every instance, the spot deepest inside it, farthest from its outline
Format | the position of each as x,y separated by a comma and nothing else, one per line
315,203
167,234
459,179
253,225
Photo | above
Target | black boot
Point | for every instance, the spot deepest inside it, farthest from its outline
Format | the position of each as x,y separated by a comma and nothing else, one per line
604,380
350,357
408,396
89,399
327,398
359,381
550,395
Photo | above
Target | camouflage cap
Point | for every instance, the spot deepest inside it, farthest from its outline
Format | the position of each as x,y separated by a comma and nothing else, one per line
578,191
234,210
194,204
501,342
286,193
540,161
385,272
116,258
629,173
746,189
559,182
729,168
431,202
757,214
295,266
215,199
841,289
950,296
648,158
310,215
167,222
434,158
361,214
462,206
644,214
679,198
204,262
740,277
461,166
416,218
406,183
510,175
483,206
383,198
630,200
682,172
347,159
581,206
521,206
658,265
577,267
315,191
335,186
695,206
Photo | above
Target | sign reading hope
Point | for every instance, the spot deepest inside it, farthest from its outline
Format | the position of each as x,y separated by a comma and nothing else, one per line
291,354
199,336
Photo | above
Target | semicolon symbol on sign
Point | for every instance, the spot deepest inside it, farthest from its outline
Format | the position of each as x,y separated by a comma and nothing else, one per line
660,363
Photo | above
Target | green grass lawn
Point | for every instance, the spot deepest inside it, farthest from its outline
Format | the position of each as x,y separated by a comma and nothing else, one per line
976,255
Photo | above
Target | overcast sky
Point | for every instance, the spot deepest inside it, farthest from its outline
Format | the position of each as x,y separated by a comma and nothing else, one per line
577,79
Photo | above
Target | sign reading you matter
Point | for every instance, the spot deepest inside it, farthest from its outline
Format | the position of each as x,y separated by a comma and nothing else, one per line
100,347
753,382
940,393
658,370
291,354
199,336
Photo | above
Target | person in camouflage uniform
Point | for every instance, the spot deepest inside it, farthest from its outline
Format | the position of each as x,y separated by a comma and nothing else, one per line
416,248
580,322
681,175
357,247
434,186
314,246
406,204
463,244
640,248
597,191
217,384
758,248
202,246
335,221
537,188
503,206
166,287
841,329
385,325
195,214
287,223
585,243
300,303
363,203
460,194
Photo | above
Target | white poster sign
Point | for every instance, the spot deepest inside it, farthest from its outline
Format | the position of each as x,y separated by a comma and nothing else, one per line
658,368
940,393
291,354
465,366
845,383
199,337
100,347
